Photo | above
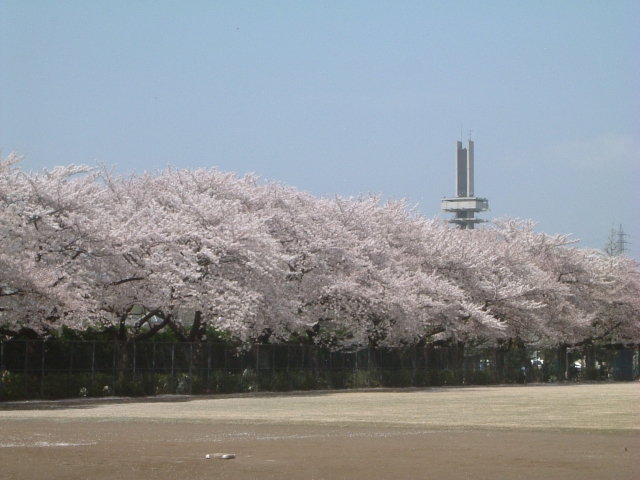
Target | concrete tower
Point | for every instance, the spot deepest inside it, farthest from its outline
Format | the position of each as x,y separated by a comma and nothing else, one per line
465,205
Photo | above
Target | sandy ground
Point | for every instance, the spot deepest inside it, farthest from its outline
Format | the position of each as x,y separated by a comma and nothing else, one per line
573,431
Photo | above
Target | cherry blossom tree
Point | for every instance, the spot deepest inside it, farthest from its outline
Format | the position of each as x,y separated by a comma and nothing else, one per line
190,249
40,240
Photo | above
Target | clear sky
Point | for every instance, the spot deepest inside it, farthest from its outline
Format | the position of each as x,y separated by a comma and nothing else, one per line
343,97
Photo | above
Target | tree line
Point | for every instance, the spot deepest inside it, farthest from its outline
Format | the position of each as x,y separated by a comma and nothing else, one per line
195,251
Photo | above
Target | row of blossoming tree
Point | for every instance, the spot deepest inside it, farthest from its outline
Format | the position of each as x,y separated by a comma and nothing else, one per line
84,248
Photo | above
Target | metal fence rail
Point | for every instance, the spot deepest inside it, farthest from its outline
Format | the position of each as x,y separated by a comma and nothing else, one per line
63,369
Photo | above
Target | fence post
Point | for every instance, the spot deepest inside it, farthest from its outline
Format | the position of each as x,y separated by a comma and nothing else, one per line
42,372
330,369
369,366
413,364
173,356
153,370
190,368
316,365
257,366
355,373
93,364
208,367
289,383
1,359
26,360
273,366
226,371
115,355
464,364
425,353
134,366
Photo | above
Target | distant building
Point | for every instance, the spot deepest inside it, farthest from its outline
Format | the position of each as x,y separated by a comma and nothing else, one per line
465,205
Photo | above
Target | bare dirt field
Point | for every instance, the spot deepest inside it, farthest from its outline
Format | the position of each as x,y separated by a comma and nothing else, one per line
566,431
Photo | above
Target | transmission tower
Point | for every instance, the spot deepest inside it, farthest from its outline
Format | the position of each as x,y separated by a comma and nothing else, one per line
621,244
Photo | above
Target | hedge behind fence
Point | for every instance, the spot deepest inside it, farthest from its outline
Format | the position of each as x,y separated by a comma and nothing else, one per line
66,369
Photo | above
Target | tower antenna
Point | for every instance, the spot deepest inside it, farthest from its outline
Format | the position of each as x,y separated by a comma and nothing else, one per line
465,204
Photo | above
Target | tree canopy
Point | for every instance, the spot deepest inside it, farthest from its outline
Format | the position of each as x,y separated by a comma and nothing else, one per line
132,255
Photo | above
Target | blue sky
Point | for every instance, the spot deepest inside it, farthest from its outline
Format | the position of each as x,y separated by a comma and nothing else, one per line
343,97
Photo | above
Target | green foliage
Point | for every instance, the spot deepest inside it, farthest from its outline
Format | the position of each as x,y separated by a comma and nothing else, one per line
96,369
215,335
165,335
71,334
396,378
480,377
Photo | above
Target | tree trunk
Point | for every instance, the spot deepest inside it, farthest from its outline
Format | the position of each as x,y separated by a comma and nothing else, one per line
198,329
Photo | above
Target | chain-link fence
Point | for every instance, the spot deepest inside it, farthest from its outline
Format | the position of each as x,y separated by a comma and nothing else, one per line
64,369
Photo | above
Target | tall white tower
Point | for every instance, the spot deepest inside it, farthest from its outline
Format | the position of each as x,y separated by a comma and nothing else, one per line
465,205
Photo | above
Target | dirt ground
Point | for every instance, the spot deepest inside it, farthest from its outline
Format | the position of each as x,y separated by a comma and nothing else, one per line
577,431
